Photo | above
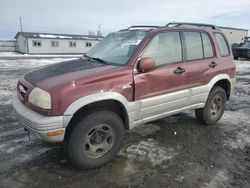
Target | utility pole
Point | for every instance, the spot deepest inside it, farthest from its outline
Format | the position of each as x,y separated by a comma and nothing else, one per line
20,22
99,32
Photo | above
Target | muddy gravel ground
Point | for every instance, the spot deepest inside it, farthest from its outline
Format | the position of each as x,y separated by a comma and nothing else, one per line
175,151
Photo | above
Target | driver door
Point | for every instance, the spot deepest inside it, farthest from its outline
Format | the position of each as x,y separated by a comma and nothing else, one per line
163,89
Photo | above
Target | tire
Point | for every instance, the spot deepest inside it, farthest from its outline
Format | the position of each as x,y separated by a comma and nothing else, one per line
96,139
236,58
214,108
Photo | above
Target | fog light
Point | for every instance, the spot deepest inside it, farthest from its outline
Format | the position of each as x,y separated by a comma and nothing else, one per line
55,133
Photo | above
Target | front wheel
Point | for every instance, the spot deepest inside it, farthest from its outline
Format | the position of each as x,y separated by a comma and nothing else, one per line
236,58
96,139
214,107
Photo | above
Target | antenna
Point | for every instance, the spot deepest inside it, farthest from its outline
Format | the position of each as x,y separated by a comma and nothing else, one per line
20,22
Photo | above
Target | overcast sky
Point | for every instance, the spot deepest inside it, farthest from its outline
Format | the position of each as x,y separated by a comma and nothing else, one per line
80,16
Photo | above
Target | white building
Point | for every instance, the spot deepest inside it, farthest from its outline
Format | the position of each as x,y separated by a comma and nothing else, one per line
234,35
46,43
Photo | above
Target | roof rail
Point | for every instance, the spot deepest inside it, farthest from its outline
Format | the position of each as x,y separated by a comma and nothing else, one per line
176,24
140,27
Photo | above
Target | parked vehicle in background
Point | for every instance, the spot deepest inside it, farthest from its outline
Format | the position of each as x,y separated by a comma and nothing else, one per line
247,39
241,51
132,77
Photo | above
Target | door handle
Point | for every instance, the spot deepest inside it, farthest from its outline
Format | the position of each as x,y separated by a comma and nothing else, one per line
179,70
212,64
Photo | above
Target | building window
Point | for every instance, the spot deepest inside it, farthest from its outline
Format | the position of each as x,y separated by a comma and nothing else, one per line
88,44
37,43
72,44
54,43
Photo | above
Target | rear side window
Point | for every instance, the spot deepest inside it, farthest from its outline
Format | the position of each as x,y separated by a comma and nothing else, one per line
222,44
207,46
193,45
165,48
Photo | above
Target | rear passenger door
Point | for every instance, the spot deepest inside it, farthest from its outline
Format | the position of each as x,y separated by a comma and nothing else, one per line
225,54
202,64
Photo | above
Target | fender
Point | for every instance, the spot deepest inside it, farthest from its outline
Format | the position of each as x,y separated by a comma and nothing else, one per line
207,88
200,94
81,102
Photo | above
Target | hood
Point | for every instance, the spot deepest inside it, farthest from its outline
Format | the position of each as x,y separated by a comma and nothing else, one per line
242,48
58,69
79,72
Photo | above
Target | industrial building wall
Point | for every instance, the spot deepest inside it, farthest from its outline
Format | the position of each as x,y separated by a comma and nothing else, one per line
7,45
62,48
235,35
22,44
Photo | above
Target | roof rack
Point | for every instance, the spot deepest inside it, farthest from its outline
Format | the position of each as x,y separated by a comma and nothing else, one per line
177,24
141,27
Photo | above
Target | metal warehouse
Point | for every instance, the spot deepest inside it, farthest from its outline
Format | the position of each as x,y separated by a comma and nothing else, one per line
47,43
234,35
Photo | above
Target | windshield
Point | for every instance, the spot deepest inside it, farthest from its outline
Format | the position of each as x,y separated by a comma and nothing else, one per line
117,47
246,45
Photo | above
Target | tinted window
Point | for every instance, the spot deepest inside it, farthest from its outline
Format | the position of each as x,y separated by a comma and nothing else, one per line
165,48
246,45
207,45
222,44
193,45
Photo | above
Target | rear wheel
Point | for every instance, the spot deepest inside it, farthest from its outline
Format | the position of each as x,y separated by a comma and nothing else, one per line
214,107
96,139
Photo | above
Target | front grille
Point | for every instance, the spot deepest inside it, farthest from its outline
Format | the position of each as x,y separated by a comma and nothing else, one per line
242,52
22,89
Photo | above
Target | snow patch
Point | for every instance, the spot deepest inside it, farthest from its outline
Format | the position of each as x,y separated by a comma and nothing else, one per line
236,122
18,55
30,63
5,97
54,36
242,140
148,150
146,129
219,180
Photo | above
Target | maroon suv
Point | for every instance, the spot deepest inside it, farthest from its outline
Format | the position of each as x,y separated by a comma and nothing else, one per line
133,76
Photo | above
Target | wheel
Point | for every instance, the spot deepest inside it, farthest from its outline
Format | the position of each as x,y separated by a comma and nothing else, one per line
96,139
236,58
214,107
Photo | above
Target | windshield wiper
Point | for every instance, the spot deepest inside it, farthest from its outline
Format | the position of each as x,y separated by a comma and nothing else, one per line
100,60
95,59
87,57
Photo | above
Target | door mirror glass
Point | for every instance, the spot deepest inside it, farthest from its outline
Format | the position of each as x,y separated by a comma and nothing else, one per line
146,64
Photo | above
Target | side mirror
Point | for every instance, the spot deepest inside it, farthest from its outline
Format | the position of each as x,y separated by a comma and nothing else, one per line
146,64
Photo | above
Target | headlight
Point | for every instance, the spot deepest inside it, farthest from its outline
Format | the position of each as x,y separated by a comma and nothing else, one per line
40,98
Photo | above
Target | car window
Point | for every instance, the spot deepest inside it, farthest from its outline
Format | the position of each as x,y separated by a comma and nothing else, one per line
193,45
117,47
246,45
207,46
222,44
165,48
